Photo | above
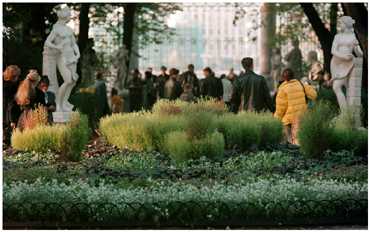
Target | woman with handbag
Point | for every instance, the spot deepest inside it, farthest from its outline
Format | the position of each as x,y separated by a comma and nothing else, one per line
291,103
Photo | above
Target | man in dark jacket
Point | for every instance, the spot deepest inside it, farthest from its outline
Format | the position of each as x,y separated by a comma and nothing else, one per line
250,91
190,78
160,81
211,86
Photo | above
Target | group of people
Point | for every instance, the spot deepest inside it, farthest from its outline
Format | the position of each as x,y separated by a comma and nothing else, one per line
247,91
21,97
145,91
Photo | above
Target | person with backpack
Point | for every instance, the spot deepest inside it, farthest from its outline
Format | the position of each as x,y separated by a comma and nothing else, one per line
291,103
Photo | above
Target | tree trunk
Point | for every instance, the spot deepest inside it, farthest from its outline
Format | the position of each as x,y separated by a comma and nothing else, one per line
83,35
358,12
333,18
128,30
325,37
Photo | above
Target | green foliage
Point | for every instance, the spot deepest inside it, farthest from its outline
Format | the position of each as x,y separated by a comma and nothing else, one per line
346,139
180,148
346,119
319,132
76,138
316,130
86,102
238,131
249,129
138,131
262,200
199,124
133,162
68,139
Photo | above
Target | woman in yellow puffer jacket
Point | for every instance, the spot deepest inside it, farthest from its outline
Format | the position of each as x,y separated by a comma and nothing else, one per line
291,103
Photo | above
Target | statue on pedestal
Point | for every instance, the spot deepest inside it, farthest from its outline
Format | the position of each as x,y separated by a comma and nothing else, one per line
316,71
294,59
343,63
61,51
120,64
276,66
89,63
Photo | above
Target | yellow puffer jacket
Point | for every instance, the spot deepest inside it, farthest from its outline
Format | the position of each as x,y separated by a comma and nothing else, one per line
291,102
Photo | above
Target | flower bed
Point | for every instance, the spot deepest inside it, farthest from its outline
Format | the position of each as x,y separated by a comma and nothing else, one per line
188,125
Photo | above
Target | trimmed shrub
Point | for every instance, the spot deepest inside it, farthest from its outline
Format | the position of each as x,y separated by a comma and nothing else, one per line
167,107
199,124
315,130
127,131
67,139
180,148
206,105
138,131
352,140
85,101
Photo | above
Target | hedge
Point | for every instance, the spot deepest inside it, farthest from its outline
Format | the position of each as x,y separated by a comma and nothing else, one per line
68,139
282,201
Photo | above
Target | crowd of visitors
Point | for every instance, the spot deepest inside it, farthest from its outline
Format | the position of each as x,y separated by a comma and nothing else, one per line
247,91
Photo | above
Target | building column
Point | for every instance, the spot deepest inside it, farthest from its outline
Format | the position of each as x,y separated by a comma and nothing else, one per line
266,35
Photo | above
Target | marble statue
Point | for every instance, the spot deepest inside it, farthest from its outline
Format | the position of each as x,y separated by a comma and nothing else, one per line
294,59
120,63
89,63
316,71
61,52
276,66
343,64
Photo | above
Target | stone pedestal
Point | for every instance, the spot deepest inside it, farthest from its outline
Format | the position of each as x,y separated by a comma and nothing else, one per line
61,117
354,90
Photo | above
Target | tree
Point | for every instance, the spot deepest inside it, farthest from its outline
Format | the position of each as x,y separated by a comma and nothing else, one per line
325,36
83,34
358,12
26,28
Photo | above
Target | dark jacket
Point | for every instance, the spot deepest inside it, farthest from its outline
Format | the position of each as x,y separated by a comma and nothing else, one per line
211,87
172,89
159,82
11,110
135,87
252,92
102,107
192,79
50,101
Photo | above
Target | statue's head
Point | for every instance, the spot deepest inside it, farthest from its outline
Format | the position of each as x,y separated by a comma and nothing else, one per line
346,22
63,12
312,56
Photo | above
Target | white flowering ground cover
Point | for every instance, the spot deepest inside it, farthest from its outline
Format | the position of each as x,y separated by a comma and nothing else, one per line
276,187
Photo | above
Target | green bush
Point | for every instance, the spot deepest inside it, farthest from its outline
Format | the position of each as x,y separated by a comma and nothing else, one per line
180,148
85,102
316,130
138,131
68,139
127,131
319,132
199,124
349,139
167,107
